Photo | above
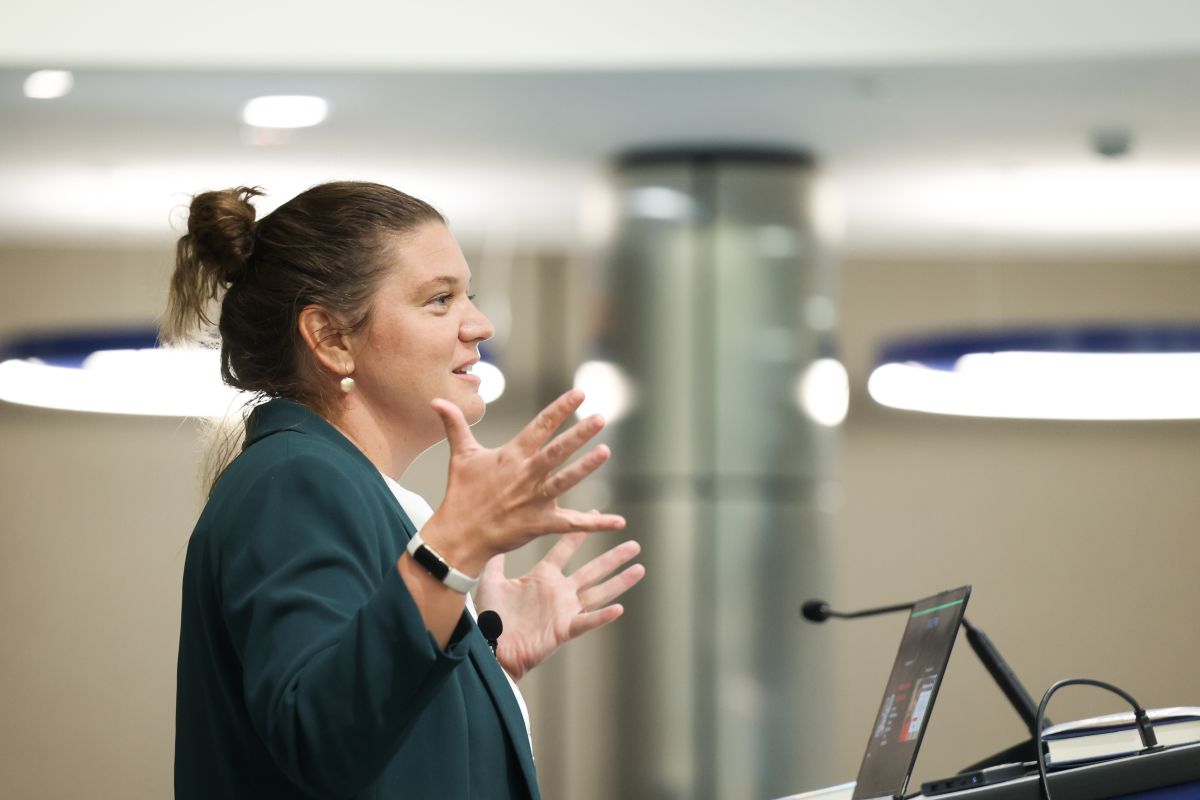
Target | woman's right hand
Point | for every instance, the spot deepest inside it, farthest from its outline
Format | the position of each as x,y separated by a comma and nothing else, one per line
499,499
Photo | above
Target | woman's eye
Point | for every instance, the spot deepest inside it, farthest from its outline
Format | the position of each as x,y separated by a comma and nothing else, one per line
446,299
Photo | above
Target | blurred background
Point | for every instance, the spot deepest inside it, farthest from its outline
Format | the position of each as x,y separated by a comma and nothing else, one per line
698,202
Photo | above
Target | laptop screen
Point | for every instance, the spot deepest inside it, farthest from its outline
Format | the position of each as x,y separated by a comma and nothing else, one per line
908,698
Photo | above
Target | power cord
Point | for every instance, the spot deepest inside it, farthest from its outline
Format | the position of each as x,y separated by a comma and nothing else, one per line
1141,719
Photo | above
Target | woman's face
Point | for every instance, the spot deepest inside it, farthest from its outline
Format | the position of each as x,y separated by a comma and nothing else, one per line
422,338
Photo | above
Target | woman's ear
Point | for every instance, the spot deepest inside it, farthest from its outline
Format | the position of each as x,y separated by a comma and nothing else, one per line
325,340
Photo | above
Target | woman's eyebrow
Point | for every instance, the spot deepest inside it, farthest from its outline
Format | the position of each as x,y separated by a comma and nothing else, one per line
440,282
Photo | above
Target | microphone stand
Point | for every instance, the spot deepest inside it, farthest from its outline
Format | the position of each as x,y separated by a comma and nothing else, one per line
1017,696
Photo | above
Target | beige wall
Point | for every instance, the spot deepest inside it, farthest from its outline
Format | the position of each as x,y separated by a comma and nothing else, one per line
94,516
1077,537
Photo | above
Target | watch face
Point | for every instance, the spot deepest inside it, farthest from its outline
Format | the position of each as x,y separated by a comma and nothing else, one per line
436,567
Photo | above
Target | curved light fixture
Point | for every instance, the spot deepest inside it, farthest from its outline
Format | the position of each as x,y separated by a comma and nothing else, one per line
115,372
127,372
1083,373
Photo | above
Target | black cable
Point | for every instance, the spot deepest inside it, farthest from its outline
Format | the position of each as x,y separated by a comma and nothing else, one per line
1144,727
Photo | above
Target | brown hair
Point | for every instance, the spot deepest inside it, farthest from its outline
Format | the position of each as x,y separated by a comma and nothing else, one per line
327,247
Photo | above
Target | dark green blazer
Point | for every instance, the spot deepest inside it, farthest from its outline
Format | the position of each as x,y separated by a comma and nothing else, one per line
305,669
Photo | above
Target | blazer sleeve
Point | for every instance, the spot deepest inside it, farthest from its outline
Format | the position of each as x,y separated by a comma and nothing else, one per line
337,662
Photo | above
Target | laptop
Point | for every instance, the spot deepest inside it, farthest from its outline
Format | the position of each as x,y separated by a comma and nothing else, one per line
908,699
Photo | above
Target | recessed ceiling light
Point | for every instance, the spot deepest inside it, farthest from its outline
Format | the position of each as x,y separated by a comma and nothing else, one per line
47,84
608,391
823,392
285,111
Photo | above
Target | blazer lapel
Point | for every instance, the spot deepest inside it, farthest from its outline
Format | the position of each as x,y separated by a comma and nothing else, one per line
502,695
494,680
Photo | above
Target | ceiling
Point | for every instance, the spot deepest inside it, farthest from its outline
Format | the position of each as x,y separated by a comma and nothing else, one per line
554,35
985,149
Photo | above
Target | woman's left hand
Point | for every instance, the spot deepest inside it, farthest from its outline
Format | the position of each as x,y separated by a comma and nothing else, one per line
546,608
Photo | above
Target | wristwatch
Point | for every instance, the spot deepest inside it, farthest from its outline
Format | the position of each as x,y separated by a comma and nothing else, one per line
437,566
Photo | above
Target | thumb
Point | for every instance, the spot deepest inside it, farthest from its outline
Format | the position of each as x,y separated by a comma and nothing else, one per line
457,431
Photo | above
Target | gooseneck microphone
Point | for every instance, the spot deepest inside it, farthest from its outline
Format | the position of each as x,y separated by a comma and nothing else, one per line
1002,674
491,626
819,611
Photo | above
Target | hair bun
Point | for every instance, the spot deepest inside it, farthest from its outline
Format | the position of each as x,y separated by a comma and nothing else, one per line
221,230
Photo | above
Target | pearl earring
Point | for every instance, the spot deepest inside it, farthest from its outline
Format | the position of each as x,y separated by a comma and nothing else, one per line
347,384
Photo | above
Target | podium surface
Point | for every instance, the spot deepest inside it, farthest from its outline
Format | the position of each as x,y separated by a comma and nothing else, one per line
1171,774
1129,777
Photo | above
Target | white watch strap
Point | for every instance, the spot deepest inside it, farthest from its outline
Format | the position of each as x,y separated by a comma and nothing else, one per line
437,566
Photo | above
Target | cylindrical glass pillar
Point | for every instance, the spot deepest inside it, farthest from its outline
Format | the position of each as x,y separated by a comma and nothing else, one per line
718,470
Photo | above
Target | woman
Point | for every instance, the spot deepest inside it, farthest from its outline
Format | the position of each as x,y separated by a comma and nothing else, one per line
325,649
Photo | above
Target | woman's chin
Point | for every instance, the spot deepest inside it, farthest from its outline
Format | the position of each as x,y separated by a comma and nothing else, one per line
473,409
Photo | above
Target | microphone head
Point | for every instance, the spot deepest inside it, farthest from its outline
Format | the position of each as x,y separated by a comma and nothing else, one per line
815,611
490,625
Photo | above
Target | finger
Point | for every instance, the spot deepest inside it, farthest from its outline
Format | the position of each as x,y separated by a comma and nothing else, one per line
458,432
570,520
565,444
591,620
611,589
605,564
564,480
541,427
562,551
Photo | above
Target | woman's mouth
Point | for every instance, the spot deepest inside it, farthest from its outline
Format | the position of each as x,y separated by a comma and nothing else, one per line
464,372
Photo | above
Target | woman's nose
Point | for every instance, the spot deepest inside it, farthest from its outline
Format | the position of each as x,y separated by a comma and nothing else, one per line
476,327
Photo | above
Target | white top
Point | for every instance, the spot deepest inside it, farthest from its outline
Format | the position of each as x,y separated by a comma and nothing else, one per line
419,512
